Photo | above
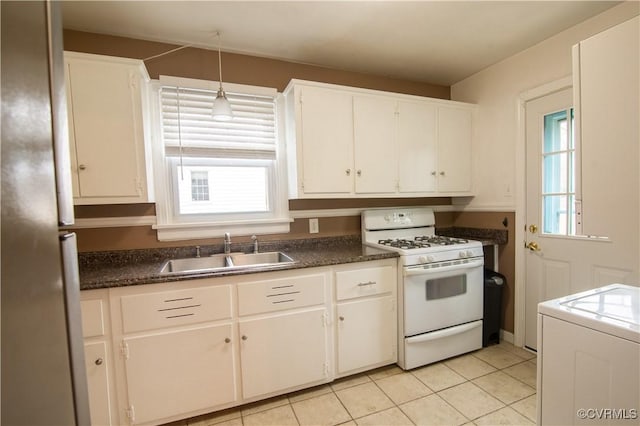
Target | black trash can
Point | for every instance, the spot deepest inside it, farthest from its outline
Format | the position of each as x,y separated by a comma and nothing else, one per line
494,282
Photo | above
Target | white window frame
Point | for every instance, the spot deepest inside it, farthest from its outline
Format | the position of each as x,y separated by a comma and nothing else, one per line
170,226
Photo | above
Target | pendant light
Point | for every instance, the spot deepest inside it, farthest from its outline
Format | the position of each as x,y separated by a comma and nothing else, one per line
221,106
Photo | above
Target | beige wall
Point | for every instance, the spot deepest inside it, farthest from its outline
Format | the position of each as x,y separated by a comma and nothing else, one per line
242,69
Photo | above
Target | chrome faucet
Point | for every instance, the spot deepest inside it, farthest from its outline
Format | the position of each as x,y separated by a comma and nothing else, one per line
255,243
227,243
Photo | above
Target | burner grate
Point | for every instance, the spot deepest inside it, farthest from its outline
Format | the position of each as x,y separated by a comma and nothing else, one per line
421,241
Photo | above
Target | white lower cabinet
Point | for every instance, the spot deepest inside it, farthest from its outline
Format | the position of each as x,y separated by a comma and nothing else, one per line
187,348
283,351
179,371
284,331
97,356
96,361
366,316
366,333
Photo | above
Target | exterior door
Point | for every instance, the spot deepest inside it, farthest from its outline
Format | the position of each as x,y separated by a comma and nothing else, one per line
558,261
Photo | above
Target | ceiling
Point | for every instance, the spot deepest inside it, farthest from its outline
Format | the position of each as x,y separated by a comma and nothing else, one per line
440,42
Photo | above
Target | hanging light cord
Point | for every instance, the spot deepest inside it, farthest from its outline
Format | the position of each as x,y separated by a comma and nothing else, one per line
180,134
167,52
219,59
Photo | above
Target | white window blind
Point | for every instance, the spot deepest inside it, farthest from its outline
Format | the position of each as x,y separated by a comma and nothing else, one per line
189,129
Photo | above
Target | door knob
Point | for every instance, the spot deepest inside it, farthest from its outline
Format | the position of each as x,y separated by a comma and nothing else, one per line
99,361
532,246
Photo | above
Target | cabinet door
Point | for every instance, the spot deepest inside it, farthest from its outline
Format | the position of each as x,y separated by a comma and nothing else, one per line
417,147
106,128
326,130
283,351
374,132
178,372
608,106
97,365
367,332
454,149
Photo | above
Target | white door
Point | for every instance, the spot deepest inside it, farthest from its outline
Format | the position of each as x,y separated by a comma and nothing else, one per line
103,128
374,136
417,147
366,333
282,351
558,261
454,149
176,372
327,140
96,362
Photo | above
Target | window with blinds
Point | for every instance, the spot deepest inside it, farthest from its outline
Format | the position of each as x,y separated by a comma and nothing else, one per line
219,167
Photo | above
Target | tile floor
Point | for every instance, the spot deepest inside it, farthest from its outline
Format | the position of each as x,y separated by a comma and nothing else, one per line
491,386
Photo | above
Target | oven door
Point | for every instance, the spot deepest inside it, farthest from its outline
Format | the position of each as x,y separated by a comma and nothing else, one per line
437,297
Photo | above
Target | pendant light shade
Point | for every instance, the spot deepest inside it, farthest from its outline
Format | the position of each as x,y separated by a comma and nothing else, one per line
221,107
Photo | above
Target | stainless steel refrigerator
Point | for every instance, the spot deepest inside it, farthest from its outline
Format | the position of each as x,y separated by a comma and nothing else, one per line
43,373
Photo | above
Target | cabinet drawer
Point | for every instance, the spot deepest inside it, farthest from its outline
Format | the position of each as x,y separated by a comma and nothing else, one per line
283,293
365,282
92,318
172,308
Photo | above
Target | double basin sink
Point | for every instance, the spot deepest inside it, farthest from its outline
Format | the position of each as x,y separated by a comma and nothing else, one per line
226,262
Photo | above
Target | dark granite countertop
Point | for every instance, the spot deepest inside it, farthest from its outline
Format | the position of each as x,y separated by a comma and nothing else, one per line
135,267
485,236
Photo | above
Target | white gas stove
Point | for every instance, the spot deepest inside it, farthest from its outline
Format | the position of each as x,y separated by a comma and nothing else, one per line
411,232
441,282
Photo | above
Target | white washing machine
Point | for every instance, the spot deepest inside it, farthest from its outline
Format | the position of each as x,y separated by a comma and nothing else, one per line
589,358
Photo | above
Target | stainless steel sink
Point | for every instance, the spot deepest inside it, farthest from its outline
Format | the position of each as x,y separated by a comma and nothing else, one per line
211,263
260,259
226,262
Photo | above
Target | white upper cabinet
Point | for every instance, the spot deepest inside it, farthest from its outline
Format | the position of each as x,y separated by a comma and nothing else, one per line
606,99
325,130
417,147
347,142
374,134
106,129
454,149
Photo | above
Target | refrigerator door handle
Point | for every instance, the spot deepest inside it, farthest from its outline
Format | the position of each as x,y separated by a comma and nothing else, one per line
71,283
60,120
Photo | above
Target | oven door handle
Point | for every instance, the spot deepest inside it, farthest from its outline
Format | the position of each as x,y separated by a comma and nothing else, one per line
420,270
433,335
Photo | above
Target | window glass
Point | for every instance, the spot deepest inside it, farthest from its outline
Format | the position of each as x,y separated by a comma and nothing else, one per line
218,176
558,174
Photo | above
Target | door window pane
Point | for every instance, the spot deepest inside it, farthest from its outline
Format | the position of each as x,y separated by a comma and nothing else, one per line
554,210
558,180
555,173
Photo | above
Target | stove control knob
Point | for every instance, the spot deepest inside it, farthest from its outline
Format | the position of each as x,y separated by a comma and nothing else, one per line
462,255
431,258
422,259
469,253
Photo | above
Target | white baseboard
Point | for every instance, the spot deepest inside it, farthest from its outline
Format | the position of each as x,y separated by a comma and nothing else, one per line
507,336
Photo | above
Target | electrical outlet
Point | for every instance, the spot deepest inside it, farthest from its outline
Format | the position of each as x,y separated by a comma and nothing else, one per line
314,228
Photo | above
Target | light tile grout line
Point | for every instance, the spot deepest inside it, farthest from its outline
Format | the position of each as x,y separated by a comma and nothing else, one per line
398,406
